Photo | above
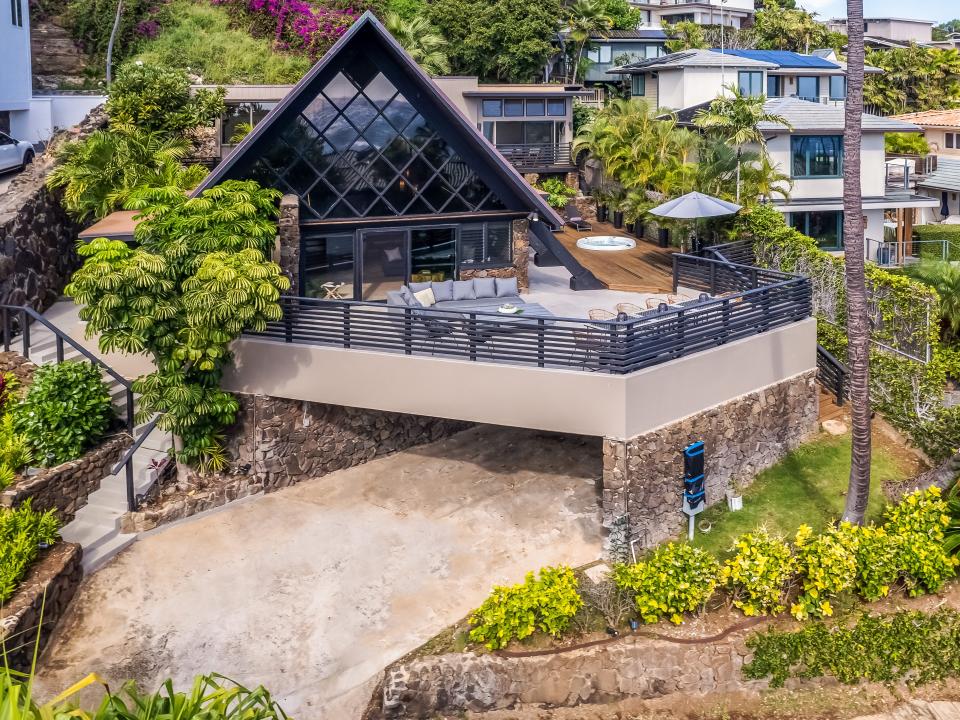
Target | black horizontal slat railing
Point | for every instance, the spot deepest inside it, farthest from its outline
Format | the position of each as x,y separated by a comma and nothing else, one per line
748,301
832,374
536,155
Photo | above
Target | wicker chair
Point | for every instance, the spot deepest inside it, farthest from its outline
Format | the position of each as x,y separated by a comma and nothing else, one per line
677,299
629,309
599,314
653,303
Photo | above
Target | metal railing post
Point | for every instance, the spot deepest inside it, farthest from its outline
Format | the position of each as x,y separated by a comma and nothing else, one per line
407,332
25,333
59,349
540,339
676,273
472,335
131,419
346,325
7,330
287,321
131,495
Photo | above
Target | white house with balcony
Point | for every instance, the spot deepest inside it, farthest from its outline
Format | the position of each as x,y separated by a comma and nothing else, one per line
15,79
734,13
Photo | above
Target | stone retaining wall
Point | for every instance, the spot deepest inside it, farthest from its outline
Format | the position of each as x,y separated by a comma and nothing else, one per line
66,487
279,442
37,238
639,667
642,477
22,369
49,585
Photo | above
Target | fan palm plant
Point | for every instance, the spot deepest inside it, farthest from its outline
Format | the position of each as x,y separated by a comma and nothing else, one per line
735,120
585,18
421,40
944,277
99,174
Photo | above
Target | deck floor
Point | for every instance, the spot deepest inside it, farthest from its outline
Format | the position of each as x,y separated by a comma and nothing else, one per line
645,268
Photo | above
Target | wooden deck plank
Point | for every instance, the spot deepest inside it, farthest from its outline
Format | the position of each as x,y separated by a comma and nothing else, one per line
645,268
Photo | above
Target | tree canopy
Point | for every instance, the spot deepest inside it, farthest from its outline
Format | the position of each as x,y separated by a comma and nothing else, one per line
913,79
503,40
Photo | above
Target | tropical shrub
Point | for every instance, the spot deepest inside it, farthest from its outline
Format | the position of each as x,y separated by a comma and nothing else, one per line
944,277
674,579
758,573
906,144
827,565
158,99
914,78
918,523
22,531
558,192
932,238
91,22
198,278
546,603
912,646
15,450
99,174
421,41
877,555
66,410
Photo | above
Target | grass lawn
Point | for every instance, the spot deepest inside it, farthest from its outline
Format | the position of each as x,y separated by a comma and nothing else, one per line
808,486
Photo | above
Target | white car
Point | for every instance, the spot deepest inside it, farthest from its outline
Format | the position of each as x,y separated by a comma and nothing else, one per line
14,153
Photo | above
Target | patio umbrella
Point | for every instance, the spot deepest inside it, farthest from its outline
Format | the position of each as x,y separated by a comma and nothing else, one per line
694,205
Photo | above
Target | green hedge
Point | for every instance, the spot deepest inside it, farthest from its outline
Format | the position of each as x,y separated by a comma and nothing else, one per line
907,392
930,237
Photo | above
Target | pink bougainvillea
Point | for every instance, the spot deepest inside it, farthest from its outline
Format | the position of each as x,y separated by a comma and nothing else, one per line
297,24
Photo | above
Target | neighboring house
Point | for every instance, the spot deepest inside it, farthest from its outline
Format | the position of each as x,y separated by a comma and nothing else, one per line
690,77
15,78
903,30
22,114
735,13
941,128
943,184
811,153
619,46
951,42
531,124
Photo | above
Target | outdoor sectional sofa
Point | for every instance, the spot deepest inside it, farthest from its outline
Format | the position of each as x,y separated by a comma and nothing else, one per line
475,294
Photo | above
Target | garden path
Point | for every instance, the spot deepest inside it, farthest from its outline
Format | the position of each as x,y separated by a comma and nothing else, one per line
313,589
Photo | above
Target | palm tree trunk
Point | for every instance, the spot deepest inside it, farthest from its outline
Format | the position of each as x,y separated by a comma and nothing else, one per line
858,323
113,37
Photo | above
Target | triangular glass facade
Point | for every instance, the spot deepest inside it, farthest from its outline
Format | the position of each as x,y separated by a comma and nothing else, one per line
361,149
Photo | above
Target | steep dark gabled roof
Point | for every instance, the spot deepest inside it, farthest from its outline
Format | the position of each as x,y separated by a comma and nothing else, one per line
367,39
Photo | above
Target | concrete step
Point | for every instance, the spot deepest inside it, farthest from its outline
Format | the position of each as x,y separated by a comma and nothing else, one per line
98,556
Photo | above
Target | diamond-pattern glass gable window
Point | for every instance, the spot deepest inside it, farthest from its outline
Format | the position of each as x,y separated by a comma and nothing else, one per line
360,149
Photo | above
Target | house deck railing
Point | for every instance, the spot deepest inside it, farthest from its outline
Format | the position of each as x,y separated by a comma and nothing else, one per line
525,156
754,301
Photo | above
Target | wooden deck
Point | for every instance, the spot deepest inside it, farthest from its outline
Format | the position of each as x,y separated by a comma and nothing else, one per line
645,268
829,410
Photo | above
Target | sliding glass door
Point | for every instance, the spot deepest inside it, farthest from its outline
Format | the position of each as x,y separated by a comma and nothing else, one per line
385,258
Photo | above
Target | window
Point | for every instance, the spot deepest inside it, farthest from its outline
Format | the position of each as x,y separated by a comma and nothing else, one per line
16,12
492,108
838,87
948,137
485,244
513,108
241,118
817,155
361,149
652,51
826,227
557,107
774,86
601,54
535,108
638,86
808,87
327,259
751,83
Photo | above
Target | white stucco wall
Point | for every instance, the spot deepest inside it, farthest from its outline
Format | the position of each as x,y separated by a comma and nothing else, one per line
15,73
682,88
49,113
872,169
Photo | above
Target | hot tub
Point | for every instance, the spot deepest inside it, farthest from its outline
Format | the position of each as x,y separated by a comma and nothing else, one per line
606,243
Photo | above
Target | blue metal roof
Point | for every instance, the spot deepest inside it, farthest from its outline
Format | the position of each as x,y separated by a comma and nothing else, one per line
784,58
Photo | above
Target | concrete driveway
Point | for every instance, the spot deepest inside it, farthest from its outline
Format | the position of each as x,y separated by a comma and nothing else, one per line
6,177
312,590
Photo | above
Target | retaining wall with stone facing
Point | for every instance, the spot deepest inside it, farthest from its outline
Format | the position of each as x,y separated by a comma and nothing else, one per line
642,477
48,586
632,667
279,442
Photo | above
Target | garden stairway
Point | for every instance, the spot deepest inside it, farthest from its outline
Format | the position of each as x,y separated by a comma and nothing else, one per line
96,526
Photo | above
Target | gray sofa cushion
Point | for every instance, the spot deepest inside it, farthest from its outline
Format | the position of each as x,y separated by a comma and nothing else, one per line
485,287
395,297
443,291
417,287
507,287
463,290
408,297
487,304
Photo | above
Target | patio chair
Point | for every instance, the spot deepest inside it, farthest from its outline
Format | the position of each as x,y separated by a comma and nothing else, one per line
436,330
600,314
574,219
677,299
653,303
629,309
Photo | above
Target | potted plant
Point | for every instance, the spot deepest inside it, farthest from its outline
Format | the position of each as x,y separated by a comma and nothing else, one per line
618,218
601,198
735,496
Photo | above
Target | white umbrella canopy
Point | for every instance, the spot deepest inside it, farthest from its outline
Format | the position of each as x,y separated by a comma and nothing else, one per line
695,205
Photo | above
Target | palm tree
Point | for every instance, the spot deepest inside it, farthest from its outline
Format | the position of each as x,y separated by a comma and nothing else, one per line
584,19
944,277
858,318
735,119
421,41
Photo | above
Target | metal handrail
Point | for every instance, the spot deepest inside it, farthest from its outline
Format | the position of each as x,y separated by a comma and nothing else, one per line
27,314
832,373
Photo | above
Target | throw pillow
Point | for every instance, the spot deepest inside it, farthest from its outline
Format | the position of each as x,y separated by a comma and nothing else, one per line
408,297
425,297
507,287
443,291
485,287
463,290
395,297
393,254
417,287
